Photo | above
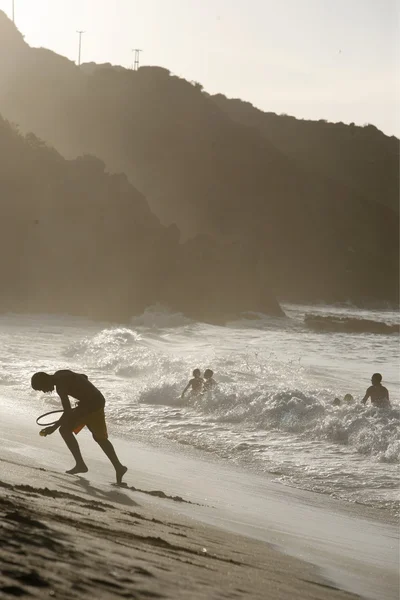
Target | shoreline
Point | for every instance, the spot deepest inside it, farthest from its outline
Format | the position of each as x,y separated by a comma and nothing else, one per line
384,515
234,508
117,546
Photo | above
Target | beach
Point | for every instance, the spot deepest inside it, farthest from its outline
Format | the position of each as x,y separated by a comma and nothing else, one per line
264,490
165,535
200,280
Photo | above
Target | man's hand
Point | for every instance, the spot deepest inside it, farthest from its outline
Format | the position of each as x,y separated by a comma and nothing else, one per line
48,430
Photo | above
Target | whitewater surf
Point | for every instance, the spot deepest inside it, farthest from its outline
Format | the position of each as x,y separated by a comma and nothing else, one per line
273,411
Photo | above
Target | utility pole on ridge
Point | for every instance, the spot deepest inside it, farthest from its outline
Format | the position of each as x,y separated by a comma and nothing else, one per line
80,46
13,12
136,61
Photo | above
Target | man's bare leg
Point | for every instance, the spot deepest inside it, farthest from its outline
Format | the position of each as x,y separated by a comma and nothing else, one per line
109,451
73,447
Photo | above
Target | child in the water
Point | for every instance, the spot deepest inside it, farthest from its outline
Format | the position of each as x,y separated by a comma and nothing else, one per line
196,384
348,399
209,381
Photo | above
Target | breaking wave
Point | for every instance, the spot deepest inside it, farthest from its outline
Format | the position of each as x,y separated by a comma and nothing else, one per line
271,410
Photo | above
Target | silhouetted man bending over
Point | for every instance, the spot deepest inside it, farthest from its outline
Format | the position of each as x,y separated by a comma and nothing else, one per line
89,412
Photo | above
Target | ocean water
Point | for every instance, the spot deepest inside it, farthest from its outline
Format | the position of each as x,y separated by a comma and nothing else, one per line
272,411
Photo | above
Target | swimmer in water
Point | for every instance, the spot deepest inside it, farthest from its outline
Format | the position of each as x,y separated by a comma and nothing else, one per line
196,384
377,392
348,399
209,381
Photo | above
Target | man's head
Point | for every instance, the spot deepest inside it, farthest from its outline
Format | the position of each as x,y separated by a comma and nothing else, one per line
42,382
208,374
196,373
376,378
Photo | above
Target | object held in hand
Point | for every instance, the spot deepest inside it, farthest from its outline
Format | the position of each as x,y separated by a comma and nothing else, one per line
50,423
46,431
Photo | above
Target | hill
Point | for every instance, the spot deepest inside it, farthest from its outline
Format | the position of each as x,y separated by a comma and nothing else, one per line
362,158
310,233
75,239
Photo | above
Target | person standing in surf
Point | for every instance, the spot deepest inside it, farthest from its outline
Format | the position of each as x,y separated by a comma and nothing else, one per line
196,384
377,392
209,381
89,412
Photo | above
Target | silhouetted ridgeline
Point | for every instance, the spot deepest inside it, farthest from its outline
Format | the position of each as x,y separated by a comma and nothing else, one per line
76,239
318,229
363,158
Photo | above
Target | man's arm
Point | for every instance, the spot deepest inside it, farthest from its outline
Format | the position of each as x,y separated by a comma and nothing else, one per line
66,404
65,401
367,395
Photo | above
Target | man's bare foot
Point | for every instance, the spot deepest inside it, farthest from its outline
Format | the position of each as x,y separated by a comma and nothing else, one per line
78,469
120,473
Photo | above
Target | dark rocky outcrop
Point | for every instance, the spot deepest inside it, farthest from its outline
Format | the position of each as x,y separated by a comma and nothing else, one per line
348,325
313,231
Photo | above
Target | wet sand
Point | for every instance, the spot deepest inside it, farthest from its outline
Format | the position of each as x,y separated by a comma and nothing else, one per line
79,536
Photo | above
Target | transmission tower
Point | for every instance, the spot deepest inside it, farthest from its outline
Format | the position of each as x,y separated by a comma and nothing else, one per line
136,59
80,46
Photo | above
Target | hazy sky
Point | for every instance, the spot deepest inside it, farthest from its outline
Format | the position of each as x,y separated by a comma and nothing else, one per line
332,59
